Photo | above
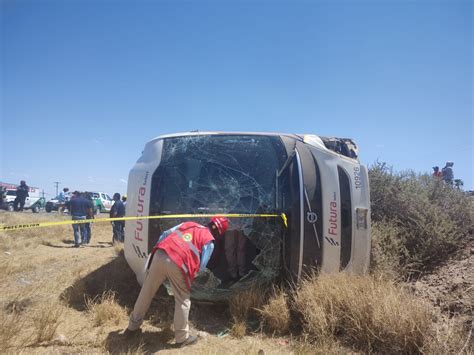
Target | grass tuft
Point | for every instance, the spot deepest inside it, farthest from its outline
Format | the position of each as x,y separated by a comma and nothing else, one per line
243,307
244,304
105,309
276,313
11,324
371,314
238,329
46,321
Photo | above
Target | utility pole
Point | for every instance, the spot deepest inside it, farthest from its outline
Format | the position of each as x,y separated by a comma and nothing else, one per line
57,184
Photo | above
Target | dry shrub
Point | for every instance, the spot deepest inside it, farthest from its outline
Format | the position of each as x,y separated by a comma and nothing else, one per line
46,320
418,221
244,304
447,337
371,314
276,313
11,324
238,329
18,305
105,309
389,254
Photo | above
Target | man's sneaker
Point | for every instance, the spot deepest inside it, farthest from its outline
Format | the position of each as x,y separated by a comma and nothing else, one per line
77,245
131,333
192,339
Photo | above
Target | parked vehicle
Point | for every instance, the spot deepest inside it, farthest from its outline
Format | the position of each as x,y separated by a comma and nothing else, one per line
103,202
317,182
55,204
34,202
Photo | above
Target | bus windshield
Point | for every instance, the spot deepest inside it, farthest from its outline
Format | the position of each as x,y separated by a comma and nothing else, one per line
223,174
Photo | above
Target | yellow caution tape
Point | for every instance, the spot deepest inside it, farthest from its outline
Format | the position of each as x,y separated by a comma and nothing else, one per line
100,220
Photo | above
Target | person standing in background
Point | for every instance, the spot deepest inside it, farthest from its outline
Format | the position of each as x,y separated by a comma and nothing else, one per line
88,226
80,208
2,196
448,175
117,211
21,195
436,173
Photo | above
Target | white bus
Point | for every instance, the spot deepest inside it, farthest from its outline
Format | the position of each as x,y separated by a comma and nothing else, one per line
317,182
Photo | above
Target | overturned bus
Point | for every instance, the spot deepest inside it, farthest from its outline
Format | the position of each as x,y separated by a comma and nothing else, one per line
317,182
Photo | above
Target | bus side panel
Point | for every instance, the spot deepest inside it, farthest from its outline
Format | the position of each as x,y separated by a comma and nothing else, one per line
138,204
361,236
312,246
331,216
291,206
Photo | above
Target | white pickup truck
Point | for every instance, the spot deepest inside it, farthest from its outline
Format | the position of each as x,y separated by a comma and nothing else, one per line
34,201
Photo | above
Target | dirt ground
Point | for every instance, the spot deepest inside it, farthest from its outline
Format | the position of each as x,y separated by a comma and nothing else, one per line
46,283
450,288
48,289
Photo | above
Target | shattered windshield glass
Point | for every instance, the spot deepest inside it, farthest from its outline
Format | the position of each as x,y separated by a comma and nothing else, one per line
223,174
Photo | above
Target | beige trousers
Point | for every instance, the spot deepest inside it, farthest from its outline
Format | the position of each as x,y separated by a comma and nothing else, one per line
162,268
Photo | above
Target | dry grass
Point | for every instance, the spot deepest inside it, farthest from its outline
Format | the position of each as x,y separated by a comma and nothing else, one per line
22,239
355,314
118,248
105,309
244,304
11,323
304,345
10,265
368,313
136,349
276,313
447,337
243,308
238,329
46,321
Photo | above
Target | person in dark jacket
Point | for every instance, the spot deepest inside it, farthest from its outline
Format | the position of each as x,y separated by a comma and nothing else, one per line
117,211
80,208
2,196
21,195
88,197
448,175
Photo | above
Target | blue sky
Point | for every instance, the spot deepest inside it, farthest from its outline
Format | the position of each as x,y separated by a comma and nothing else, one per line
85,84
